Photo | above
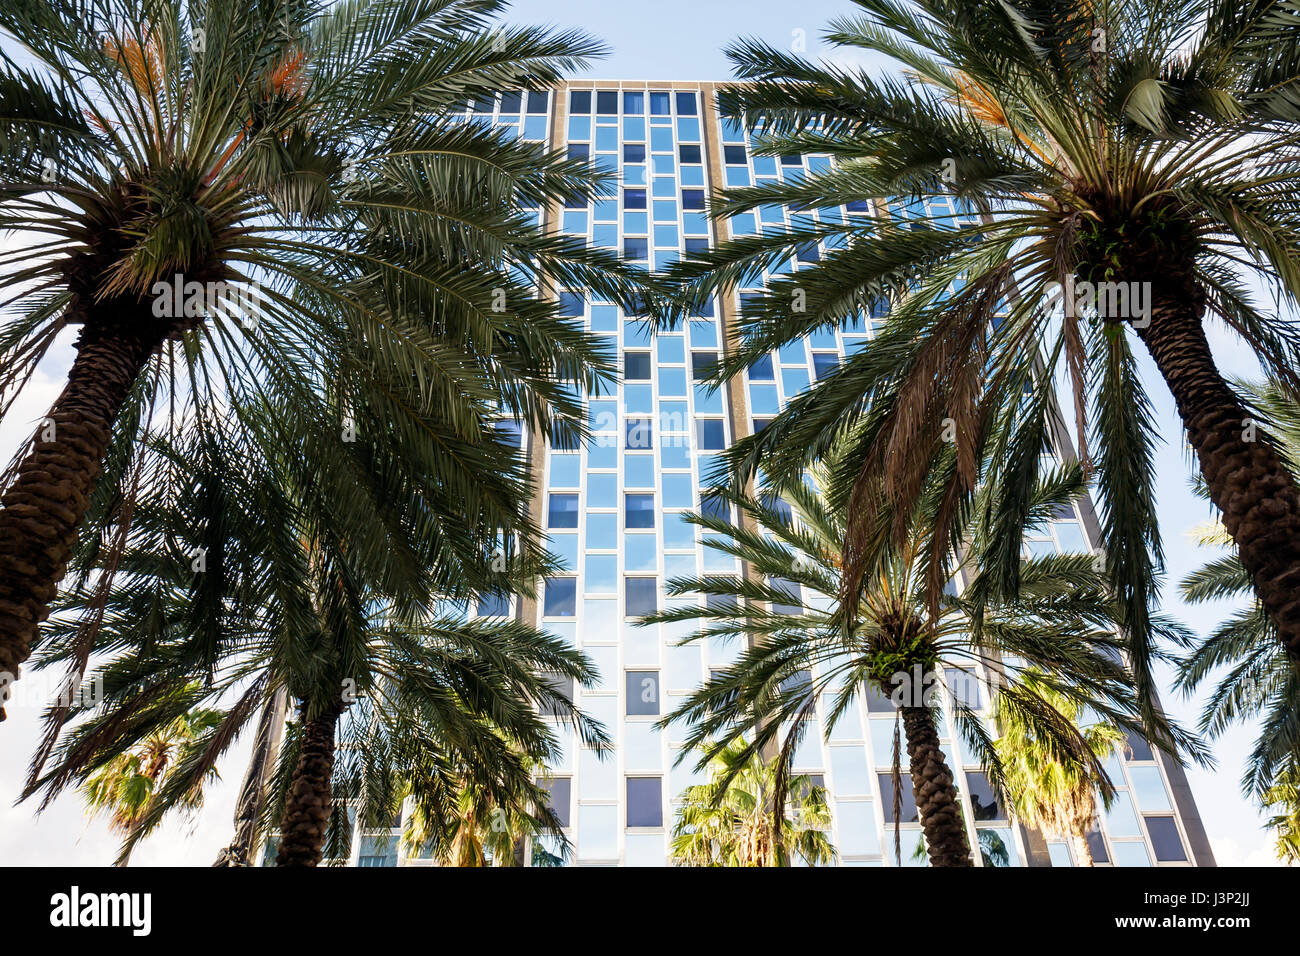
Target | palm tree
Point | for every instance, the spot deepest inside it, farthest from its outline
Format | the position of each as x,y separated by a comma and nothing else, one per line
1115,167
127,785
1284,798
1047,789
481,831
807,650
732,820
292,605
280,202
1261,682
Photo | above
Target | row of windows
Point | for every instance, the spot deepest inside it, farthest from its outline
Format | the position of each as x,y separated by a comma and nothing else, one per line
634,102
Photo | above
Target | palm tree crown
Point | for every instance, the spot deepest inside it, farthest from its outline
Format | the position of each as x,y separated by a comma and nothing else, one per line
730,821
807,651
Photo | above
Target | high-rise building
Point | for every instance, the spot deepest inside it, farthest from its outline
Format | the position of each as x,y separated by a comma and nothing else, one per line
614,511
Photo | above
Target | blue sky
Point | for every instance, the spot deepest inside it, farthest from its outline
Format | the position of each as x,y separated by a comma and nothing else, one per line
684,40
663,40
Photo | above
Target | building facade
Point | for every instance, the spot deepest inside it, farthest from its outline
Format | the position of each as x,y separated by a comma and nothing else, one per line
615,512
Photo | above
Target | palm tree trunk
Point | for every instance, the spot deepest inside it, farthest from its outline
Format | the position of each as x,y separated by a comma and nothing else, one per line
1082,852
1247,480
41,509
307,807
252,794
936,797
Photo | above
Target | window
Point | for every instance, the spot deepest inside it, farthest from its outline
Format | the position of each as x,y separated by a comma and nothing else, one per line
607,103
645,802
824,363
909,814
734,155
636,366
710,434
714,505
794,159
1138,748
579,151
561,802
1164,837
983,798
695,247
634,103
642,596
561,597
634,199
571,305
685,104
638,433
1097,845
563,512
561,685
691,199
688,154
792,591
703,364
639,511
761,423
964,687
494,605
761,370
538,101
580,101
636,248
660,104
642,693
634,153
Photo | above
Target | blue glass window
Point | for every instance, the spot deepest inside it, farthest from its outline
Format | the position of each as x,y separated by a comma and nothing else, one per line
636,248
761,370
634,152
538,100
636,366
636,198
692,199
565,470
634,103
607,102
580,101
638,433
571,304
824,363
606,139
579,127
688,154
639,511
710,434
686,104
561,597
642,597
660,105
563,511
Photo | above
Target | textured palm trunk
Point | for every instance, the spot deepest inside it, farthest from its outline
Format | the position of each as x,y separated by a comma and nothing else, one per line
252,793
307,807
1247,480
41,509
1082,852
936,796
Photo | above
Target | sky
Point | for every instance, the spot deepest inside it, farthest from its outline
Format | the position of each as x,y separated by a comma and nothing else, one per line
657,40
